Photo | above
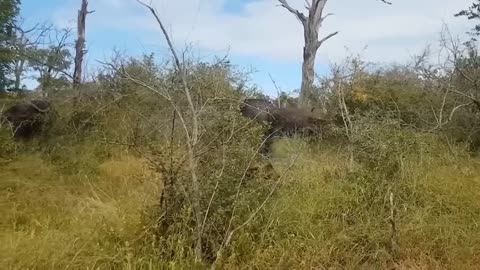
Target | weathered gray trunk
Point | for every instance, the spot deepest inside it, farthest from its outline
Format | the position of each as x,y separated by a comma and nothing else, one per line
80,43
308,67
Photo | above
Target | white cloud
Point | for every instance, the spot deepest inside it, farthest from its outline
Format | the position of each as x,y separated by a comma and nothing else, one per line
265,30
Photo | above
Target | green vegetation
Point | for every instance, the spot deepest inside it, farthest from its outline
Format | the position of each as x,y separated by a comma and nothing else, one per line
152,166
107,186
8,12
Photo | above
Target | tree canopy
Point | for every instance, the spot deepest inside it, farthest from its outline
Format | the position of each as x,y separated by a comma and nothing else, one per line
9,10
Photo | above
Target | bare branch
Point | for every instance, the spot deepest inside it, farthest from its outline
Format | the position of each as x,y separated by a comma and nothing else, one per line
393,228
300,16
473,99
165,33
308,5
326,16
192,135
450,117
320,42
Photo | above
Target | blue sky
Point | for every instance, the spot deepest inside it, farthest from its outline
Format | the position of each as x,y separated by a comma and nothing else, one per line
257,33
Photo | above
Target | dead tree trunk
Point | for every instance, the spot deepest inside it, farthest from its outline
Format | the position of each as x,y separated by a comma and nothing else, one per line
80,43
19,62
311,26
18,70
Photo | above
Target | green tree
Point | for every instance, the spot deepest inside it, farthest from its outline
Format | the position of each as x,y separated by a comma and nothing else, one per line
8,11
53,62
472,13
52,65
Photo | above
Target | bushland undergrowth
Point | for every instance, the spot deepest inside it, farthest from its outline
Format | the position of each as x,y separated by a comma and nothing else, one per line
108,188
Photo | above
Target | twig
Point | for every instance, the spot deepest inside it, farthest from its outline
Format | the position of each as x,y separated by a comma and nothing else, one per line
393,228
192,138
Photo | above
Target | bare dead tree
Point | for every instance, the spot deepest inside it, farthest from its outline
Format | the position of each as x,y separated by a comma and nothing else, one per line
311,26
80,43
312,22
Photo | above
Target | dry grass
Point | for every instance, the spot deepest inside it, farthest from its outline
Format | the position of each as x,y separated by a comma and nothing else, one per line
53,220
322,218
326,218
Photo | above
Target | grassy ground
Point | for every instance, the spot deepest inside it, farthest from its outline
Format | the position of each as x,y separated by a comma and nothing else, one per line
52,220
323,217
330,219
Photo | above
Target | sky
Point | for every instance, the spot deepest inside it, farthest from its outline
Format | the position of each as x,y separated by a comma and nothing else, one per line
258,35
